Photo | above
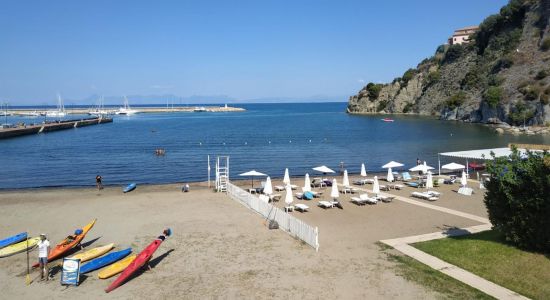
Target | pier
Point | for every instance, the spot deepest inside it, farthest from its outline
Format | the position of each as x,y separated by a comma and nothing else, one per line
111,110
50,126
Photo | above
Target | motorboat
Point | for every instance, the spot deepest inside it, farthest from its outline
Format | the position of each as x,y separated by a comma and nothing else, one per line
200,109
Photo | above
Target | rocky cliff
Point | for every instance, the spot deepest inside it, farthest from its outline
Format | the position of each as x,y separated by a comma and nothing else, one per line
503,75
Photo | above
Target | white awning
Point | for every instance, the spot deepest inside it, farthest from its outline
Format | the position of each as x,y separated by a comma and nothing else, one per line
481,154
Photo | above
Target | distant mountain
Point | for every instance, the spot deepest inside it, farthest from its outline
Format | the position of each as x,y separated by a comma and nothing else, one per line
502,75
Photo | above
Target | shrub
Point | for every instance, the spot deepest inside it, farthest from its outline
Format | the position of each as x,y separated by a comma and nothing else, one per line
503,63
493,96
374,90
440,49
530,92
471,79
433,77
545,44
381,105
495,80
545,99
456,100
408,107
517,199
541,75
453,53
520,114
408,75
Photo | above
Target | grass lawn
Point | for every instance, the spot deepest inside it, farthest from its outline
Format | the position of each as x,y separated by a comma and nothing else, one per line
487,255
446,286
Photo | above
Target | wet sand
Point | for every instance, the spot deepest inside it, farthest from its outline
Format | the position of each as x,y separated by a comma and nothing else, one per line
219,247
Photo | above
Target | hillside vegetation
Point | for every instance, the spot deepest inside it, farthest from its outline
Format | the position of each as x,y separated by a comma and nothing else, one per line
503,75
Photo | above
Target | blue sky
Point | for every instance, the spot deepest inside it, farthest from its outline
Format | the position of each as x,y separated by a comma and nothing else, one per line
243,49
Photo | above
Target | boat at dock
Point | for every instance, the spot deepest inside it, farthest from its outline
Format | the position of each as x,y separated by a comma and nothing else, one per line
126,109
200,109
60,112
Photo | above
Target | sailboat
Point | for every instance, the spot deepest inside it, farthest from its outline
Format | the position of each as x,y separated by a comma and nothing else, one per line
60,112
99,110
126,109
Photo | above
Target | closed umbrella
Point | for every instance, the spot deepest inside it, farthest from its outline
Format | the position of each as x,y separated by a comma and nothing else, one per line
389,178
268,189
288,196
463,180
363,170
376,186
286,179
253,174
334,192
345,181
429,181
307,183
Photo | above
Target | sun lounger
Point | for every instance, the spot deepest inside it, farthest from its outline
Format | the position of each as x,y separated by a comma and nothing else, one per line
293,187
398,186
301,207
434,193
279,188
325,204
363,181
466,191
424,196
346,189
385,199
318,182
365,199
385,187
405,176
275,197
289,208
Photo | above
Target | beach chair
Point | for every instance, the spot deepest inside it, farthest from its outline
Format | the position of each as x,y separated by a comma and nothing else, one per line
385,199
405,176
289,208
363,181
413,184
466,191
325,204
293,187
425,196
279,188
299,195
364,199
398,186
275,197
301,207
318,182
434,193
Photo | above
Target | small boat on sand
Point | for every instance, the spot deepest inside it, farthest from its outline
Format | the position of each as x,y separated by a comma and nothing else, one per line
129,188
13,239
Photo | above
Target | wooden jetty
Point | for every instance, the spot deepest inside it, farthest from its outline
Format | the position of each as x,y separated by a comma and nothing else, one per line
50,126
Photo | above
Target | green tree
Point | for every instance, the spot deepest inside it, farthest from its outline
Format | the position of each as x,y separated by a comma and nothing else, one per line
374,90
518,199
408,75
493,96
456,100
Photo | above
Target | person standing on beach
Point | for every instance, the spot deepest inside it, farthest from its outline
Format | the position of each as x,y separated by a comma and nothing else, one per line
98,182
43,252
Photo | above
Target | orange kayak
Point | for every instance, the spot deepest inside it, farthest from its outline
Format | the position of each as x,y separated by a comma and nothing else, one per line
68,243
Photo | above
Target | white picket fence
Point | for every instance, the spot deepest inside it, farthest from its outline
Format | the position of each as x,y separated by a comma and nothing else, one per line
287,222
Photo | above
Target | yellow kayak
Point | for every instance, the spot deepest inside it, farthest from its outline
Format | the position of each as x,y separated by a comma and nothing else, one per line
117,267
19,247
93,253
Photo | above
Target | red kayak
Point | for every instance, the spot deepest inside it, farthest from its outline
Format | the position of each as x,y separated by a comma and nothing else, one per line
387,120
140,260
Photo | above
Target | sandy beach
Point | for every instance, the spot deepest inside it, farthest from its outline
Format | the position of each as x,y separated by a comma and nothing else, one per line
221,248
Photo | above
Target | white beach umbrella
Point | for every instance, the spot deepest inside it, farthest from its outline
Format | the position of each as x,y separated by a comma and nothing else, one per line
253,174
376,186
421,167
429,181
392,164
453,166
268,189
334,192
307,183
288,196
463,179
323,169
345,181
389,178
286,179
363,170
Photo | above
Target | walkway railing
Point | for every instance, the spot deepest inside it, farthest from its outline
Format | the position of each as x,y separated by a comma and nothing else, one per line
287,222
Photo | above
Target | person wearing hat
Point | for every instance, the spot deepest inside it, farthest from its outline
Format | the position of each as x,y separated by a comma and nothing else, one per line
43,252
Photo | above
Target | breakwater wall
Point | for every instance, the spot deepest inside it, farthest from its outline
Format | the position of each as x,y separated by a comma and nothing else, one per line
51,126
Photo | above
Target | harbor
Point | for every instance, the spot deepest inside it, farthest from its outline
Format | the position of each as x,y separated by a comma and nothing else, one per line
22,130
32,111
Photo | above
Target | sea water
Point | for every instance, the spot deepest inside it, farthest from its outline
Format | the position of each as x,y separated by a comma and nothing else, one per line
266,137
